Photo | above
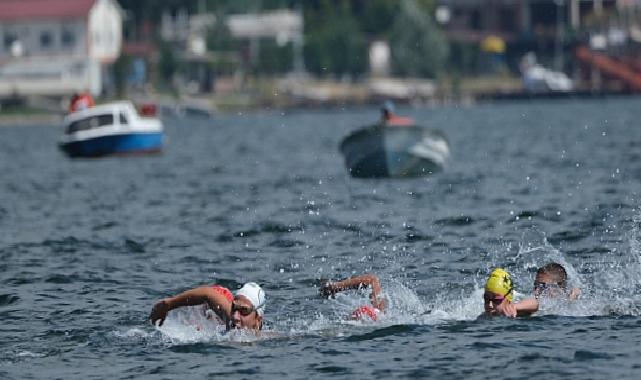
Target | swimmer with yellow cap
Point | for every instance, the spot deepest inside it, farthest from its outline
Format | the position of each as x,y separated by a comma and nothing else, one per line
499,294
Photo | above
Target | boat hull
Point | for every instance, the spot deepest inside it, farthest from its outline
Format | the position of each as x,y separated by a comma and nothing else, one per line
379,152
118,144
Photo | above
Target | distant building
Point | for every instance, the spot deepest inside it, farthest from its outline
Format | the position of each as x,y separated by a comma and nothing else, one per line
524,25
473,20
57,47
187,33
282,25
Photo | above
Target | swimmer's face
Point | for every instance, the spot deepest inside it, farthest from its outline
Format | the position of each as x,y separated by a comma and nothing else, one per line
492,302
546,285
244,315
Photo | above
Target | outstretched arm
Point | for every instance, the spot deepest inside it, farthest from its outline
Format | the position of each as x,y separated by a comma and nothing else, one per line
205,294
329,289
527,306
521,308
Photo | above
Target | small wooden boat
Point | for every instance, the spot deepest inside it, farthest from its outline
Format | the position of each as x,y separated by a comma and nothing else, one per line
394,151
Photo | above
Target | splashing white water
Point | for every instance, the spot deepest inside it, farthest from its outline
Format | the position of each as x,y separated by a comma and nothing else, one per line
608,287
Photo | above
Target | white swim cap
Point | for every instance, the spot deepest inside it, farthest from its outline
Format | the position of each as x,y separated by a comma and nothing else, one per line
255,294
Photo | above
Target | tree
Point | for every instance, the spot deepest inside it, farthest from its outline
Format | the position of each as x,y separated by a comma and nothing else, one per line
334,44
418,48
168,64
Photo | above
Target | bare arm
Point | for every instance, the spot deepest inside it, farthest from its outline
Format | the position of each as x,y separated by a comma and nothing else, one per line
205,294
329,289
518,309
527,306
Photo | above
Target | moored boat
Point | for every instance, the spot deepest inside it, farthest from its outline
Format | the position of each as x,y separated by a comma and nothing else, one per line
394,151
111,129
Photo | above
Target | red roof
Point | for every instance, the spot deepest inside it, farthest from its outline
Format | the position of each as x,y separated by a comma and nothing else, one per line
17,10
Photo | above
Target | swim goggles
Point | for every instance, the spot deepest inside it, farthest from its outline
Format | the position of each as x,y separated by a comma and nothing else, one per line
244,310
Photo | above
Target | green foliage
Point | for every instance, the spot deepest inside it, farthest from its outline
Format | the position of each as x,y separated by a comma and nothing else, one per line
219,37
418,48
245,6
464,57
168,63
377,17
333,42
120,71
336,41
272,58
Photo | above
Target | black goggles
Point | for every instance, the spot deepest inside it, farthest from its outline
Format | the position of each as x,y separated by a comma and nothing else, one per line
244,310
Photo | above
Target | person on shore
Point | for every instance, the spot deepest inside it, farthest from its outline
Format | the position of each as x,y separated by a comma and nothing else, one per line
389,118
243,310
378,302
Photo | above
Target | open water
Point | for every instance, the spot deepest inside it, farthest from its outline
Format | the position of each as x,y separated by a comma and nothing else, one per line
87,247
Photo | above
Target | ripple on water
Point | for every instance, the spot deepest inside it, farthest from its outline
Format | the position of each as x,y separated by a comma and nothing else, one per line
87,254
8,299
395,330
457,221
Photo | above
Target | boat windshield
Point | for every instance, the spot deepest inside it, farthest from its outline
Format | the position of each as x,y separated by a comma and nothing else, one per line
90,123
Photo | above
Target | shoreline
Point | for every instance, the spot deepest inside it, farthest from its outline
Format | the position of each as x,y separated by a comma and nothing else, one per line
54,119
46,119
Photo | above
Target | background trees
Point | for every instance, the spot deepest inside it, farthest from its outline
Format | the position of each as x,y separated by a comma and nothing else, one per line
336,37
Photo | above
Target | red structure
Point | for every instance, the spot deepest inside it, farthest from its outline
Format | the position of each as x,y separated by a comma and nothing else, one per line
626,72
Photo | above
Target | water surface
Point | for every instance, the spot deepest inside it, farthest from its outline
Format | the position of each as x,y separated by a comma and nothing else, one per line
87,247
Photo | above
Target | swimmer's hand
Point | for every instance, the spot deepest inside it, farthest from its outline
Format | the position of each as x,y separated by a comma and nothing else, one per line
328,290
159,312
507,308
574,293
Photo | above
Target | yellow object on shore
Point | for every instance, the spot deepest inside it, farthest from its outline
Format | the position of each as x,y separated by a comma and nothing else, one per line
493,44
500,283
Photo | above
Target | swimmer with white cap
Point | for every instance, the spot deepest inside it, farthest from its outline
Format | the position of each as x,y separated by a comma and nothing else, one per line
244,311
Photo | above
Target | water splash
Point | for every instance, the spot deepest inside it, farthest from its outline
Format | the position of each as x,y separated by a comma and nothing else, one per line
609,287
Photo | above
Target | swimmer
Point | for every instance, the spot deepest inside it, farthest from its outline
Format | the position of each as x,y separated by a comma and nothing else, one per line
379,303
209,313
551,281
499,294
244,311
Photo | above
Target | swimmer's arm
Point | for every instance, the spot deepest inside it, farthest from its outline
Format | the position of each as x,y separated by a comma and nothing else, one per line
357,282
197,296
526,307
518,309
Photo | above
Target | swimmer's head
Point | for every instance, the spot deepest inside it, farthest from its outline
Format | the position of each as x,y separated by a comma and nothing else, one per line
500,283
555,272
551,281
248,307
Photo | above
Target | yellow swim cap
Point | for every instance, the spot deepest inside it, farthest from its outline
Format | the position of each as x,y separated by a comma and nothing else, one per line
500,283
